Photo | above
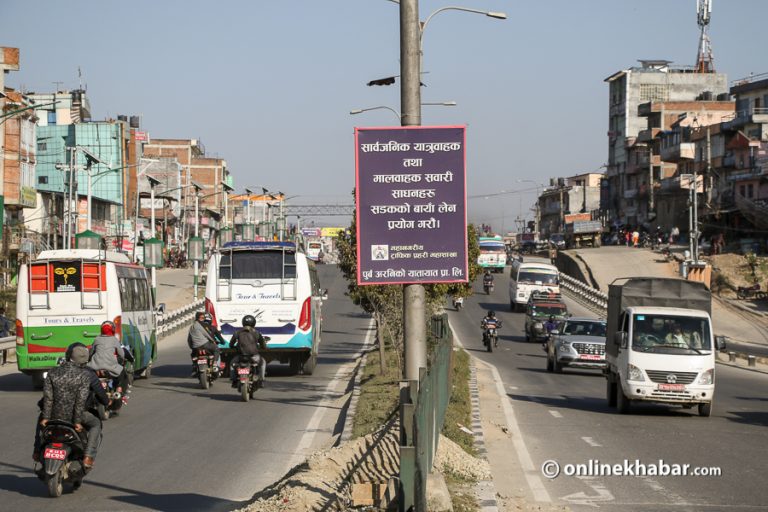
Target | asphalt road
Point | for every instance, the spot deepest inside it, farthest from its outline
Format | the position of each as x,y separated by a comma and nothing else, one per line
565,418
177,447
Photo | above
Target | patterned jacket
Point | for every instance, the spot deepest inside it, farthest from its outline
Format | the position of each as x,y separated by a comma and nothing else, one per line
65,393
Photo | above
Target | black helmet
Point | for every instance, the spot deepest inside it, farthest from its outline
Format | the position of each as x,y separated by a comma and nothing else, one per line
207,318
552,317
491,313
249,321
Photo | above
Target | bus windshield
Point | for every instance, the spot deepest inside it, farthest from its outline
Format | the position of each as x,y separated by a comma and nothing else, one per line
536,277
257,265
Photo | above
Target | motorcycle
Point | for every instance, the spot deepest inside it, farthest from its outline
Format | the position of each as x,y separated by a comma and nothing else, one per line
205,368
750,292
249,376
63,450
458,303
118,397
491,337
488,287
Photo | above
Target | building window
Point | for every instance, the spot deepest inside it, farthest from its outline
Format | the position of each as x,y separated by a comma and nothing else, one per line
750,191
743,190
42,180
52,117
42,146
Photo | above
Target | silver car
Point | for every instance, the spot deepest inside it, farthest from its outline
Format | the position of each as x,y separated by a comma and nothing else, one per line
577,343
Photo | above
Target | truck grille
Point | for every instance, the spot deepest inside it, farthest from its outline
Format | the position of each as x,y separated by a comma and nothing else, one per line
589,348
671,377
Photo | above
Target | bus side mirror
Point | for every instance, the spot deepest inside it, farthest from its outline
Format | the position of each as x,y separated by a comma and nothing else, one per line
620,339
720,342
161,308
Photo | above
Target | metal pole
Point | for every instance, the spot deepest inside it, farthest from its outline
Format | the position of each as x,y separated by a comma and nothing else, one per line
650,180
691,195
281,219
197,226
88,210
695,252
414,321
154,269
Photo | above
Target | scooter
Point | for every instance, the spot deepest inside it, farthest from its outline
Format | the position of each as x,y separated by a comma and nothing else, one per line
488,287
458,303
490,338
117,396
62,451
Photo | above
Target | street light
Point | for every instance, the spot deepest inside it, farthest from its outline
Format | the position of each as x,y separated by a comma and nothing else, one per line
225,234
195,244
399,116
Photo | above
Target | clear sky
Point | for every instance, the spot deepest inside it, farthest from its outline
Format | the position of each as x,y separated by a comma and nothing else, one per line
269,85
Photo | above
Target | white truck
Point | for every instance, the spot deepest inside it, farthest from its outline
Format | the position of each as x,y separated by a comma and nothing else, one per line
660,345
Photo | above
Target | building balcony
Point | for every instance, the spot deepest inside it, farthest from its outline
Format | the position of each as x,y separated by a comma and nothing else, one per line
754,115
648,134
677,152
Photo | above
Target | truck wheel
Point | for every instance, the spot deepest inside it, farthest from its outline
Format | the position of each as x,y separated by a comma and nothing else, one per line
610,388
622,402
705,410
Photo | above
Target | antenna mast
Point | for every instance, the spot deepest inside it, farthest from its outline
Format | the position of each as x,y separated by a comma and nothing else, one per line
705,62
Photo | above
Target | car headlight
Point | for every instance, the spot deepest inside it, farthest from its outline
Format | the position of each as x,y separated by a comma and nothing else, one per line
635,373
538,326
708,377
565,346
521,294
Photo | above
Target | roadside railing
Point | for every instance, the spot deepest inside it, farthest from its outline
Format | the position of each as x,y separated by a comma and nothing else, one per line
585,293
169,322
423,406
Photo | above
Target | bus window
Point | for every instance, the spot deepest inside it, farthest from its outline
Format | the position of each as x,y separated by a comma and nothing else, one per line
257,265
126,294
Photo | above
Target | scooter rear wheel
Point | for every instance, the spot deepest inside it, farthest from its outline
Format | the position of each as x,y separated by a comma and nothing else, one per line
55,484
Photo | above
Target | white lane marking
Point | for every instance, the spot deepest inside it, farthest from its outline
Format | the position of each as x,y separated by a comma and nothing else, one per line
671,496
531,473
582,498
305,443
556,414
591,442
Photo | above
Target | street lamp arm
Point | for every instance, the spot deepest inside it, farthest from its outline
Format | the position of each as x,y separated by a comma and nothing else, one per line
490,14
361,110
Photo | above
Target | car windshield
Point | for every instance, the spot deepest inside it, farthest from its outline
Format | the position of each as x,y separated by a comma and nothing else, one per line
584,328
670,334
536,277
545,310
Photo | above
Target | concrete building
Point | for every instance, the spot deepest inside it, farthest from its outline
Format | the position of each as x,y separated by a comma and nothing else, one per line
652,81
207,172
9,61
566,196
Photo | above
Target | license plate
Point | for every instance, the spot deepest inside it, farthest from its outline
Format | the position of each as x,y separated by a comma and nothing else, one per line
202,361
671,387
591,357
243,371
51,453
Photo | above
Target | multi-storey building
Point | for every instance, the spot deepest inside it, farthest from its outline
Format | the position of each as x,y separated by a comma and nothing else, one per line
652,81
566,196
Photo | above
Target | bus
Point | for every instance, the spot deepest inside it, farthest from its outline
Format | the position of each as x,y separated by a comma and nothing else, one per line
65,295
315,250
493,253
277,284
528,277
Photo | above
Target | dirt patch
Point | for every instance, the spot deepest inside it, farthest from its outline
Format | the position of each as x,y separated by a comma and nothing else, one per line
736,272
451,458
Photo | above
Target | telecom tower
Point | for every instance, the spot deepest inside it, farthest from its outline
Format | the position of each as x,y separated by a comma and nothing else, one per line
705,62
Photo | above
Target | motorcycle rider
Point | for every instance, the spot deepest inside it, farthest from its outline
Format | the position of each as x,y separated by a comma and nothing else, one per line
200,337
550,325
489,322
248,342
67,392
487,279
108,355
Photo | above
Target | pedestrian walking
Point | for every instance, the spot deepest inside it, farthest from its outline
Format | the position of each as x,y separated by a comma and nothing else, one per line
5,324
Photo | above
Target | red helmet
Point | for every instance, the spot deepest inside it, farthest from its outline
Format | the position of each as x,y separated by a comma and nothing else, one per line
108,328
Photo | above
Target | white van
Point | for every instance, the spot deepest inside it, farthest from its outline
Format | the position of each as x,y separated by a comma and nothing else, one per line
527,277
277,284
65,295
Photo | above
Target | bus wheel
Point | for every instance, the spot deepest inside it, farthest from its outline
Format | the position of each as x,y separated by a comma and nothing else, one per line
37,380
147,373
295,363
309,365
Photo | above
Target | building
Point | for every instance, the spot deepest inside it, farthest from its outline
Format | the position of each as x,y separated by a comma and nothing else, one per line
209,173
9,61
567,196
652,81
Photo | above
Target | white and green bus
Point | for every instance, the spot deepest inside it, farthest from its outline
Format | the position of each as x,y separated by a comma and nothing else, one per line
65,295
